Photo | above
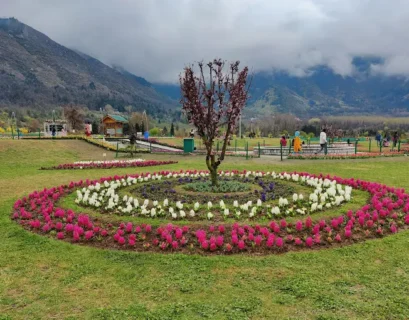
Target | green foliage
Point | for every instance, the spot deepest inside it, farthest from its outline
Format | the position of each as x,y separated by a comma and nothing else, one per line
223,187
172,130
154,132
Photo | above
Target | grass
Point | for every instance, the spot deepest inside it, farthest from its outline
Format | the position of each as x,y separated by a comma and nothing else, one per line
41,278
241,143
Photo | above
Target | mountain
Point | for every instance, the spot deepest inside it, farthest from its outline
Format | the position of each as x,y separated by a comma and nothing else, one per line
323,92
37,72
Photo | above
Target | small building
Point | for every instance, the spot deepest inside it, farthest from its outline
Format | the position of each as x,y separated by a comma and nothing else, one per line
60,127
113,125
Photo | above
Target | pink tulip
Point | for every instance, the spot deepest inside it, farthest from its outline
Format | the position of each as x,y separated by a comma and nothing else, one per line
60,235
279,242
309,242
178,233
241,245
89,234
75,236
205,245
219,241
258,239
308,223
129,227
283,223
298,225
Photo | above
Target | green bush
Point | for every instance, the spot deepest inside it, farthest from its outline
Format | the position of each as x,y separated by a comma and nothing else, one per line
224,187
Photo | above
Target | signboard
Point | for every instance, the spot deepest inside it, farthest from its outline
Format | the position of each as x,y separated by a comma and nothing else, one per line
111,131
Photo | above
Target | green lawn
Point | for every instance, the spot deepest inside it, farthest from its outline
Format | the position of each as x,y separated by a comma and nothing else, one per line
41,278
239,143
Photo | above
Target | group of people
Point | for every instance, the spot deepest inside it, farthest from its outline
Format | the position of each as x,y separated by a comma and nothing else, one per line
297,143
385,140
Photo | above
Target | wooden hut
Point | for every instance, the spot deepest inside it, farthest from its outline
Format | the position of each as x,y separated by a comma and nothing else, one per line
113,125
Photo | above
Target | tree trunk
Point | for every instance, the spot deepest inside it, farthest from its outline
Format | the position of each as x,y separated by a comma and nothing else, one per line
212,165
213,176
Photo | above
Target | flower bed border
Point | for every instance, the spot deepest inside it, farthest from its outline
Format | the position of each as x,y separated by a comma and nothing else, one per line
386,212
120,164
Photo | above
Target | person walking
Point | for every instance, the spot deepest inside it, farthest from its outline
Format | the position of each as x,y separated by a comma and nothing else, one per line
283,141
395,139
378,138
323,140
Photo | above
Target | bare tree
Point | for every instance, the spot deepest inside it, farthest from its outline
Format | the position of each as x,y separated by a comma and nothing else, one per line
34,125
75,117
213,103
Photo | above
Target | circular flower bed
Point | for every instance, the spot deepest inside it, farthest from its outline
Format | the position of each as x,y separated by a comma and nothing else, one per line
164,196
385,213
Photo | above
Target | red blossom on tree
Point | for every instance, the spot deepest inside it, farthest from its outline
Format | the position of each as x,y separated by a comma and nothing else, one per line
213,103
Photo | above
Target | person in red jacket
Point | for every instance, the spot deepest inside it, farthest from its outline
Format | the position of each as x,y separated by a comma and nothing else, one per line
283,141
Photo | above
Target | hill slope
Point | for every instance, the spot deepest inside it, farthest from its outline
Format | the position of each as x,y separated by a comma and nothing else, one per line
36,71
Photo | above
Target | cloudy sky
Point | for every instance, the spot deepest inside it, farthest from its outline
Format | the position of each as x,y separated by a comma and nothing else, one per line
156,38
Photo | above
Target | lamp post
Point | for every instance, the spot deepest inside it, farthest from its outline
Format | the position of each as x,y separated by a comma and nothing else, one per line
102,123
146,119
55,129
13,116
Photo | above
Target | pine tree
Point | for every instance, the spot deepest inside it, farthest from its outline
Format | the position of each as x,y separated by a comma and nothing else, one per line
143,127
172,130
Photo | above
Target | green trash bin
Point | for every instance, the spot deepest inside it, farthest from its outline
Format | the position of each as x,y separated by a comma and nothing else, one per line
188,145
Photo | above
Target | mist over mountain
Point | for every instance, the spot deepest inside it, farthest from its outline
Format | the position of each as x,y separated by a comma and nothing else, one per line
323,92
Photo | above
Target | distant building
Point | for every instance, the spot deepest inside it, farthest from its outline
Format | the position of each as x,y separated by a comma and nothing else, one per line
113,125
60,127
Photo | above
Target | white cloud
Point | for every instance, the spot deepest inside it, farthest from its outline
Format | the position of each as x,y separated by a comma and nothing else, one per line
156,38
